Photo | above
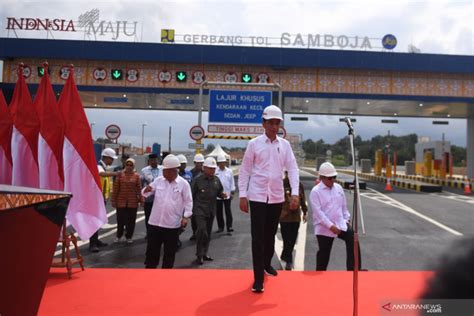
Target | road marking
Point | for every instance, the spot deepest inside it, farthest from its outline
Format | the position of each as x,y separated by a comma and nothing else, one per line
455,197
377,196
300,246
81,243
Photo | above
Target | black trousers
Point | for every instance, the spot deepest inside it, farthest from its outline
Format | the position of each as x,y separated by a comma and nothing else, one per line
126,218
289,233
221,204
158,236
325,246
203,234
147,206
264,220
94,239
193,224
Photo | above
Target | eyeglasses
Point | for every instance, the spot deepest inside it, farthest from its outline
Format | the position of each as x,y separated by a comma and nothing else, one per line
129,165
331,178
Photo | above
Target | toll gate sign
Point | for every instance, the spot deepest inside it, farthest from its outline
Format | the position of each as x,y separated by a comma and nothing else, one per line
235,106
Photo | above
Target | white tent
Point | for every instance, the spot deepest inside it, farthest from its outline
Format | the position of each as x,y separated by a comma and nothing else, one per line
218,151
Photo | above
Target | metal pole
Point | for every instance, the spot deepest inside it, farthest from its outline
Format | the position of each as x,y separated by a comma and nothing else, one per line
143,136
169,140
355,224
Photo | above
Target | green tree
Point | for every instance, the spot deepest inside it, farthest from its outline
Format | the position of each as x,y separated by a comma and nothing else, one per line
459,155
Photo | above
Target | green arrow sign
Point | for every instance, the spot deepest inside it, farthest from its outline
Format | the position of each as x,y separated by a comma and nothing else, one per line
40,71
246,78
117,74
181,76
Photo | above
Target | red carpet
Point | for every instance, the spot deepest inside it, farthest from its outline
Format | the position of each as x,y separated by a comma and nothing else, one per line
222,292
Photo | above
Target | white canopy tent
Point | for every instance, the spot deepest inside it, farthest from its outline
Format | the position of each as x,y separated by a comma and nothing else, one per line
217,152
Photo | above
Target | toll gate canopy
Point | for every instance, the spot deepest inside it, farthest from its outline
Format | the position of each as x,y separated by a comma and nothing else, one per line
165,76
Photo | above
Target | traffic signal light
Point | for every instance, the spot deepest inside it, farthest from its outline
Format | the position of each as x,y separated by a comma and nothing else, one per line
181,76
117,74
246,77
41,71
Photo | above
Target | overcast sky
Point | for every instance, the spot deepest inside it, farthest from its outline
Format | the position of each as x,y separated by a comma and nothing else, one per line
442,27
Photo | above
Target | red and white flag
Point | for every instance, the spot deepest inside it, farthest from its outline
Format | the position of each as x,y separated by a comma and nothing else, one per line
51,136
24,136
86,211
6,126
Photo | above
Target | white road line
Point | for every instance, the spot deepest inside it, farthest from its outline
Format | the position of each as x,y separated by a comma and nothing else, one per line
455,197
300,246
81,243
377,196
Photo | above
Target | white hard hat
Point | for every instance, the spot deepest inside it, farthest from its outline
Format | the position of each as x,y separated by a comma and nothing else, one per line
327,170
170,162
182,158
221,158
198,158
272,112
210,162
109,152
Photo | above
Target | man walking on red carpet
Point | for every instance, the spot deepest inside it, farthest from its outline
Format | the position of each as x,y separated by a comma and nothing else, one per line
261,185
172,196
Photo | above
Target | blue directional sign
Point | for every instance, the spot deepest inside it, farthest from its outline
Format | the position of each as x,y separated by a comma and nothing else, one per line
236,106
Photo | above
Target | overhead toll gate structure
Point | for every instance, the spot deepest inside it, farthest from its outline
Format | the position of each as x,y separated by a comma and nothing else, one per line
166,76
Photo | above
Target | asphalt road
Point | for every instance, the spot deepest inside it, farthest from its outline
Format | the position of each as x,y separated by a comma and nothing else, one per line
404,230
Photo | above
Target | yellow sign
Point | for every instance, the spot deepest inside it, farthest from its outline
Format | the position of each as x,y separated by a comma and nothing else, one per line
167,36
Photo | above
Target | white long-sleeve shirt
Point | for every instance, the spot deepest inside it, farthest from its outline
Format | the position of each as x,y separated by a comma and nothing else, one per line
329,207
227,179
261,173
171,198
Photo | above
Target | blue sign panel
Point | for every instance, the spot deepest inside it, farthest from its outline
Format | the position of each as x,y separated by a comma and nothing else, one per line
229,106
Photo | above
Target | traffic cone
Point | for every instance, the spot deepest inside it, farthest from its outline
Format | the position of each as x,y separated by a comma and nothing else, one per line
467,187
388,187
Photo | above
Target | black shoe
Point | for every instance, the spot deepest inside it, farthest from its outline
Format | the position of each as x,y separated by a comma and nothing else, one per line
193,237
93,248
200,261
101,244
270,271
289,266
258,287
179,244
220,230
207,258
230,230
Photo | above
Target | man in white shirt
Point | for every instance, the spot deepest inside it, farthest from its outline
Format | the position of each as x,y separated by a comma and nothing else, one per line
331,218
147,175
172,196
261,185
227,179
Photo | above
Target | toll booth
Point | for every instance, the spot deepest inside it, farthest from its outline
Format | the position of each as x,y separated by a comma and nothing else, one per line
433,158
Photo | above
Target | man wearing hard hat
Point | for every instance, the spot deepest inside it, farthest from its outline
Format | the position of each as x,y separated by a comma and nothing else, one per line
171,211
205,189
261,186
107,158
227,179
196,171
331,218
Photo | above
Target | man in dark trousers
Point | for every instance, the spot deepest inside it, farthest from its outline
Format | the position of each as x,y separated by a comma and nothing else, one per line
196,171
205,189
261,184
331,218
108,156
170,213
